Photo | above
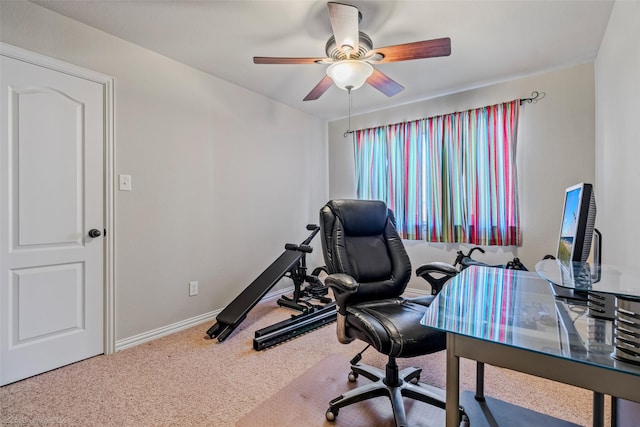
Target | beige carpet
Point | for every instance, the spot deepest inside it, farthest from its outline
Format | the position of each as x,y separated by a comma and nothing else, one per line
186,379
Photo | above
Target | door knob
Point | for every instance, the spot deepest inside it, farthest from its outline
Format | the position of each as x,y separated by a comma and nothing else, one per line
94,232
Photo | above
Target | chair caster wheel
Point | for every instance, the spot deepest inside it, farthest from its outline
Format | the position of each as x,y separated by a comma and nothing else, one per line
331,414
353,376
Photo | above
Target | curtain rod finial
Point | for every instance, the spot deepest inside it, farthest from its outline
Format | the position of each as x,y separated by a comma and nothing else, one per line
535,97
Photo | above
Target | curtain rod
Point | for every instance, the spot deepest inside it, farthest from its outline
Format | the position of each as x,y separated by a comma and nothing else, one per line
534,98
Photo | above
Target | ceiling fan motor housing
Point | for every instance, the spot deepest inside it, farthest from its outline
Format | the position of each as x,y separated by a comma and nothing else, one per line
336,53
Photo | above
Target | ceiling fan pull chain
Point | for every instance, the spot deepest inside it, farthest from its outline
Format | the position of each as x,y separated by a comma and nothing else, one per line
349,130
349,90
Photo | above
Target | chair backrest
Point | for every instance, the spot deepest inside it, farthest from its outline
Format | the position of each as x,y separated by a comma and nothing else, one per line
359,238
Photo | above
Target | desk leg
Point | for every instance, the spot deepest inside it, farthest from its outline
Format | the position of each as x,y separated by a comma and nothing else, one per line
598,409
479,382
453,383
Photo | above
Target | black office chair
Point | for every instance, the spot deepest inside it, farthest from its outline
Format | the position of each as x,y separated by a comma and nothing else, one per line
368,271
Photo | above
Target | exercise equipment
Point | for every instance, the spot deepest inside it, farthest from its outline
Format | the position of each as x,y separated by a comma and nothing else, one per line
292,264
291,328
305,287
438,273
464,260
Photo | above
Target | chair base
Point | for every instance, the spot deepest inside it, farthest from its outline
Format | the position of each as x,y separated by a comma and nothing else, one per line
392,384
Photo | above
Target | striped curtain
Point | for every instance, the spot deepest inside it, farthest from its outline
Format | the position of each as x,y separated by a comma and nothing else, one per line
449,178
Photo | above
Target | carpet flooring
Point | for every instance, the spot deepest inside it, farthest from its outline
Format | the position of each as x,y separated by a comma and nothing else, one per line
187,379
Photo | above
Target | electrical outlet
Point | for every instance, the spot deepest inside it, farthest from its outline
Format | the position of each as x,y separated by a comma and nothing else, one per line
125,182
193,289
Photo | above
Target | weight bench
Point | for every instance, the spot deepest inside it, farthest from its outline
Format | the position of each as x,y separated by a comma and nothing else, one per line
237,310
291,263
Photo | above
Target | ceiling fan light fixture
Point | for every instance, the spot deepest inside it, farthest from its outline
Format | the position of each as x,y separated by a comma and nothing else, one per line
349,74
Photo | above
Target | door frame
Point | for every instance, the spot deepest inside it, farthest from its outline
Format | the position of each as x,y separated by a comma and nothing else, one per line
107,82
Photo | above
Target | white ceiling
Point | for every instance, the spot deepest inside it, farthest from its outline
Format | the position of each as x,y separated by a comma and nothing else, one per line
490,41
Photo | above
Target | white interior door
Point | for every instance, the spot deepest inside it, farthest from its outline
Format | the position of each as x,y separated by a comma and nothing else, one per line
51,196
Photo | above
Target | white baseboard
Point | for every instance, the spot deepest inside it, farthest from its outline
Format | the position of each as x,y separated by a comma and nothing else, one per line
206,317
165,330
184,324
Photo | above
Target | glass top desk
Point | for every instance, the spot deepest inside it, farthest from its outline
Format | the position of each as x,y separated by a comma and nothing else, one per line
609,279
510,318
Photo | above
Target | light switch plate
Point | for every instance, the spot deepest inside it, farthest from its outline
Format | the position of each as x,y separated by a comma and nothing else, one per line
125,182
193,289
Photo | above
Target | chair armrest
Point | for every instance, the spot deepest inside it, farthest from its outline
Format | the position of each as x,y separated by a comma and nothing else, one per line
343,286
437,267
437,274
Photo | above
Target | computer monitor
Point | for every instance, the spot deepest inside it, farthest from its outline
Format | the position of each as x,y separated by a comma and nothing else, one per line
576,229
574,244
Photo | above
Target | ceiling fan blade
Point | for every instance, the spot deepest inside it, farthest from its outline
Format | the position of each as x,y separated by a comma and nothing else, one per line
384,83
415,50
344,22
320,88
276,60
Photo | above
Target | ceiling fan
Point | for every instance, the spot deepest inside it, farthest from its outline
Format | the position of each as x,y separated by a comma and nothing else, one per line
350,55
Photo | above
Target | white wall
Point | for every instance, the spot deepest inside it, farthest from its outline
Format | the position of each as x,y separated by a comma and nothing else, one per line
618,135
222,177
618,147
555,150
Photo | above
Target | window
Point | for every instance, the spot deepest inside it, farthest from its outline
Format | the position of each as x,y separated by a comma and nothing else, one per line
448,178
